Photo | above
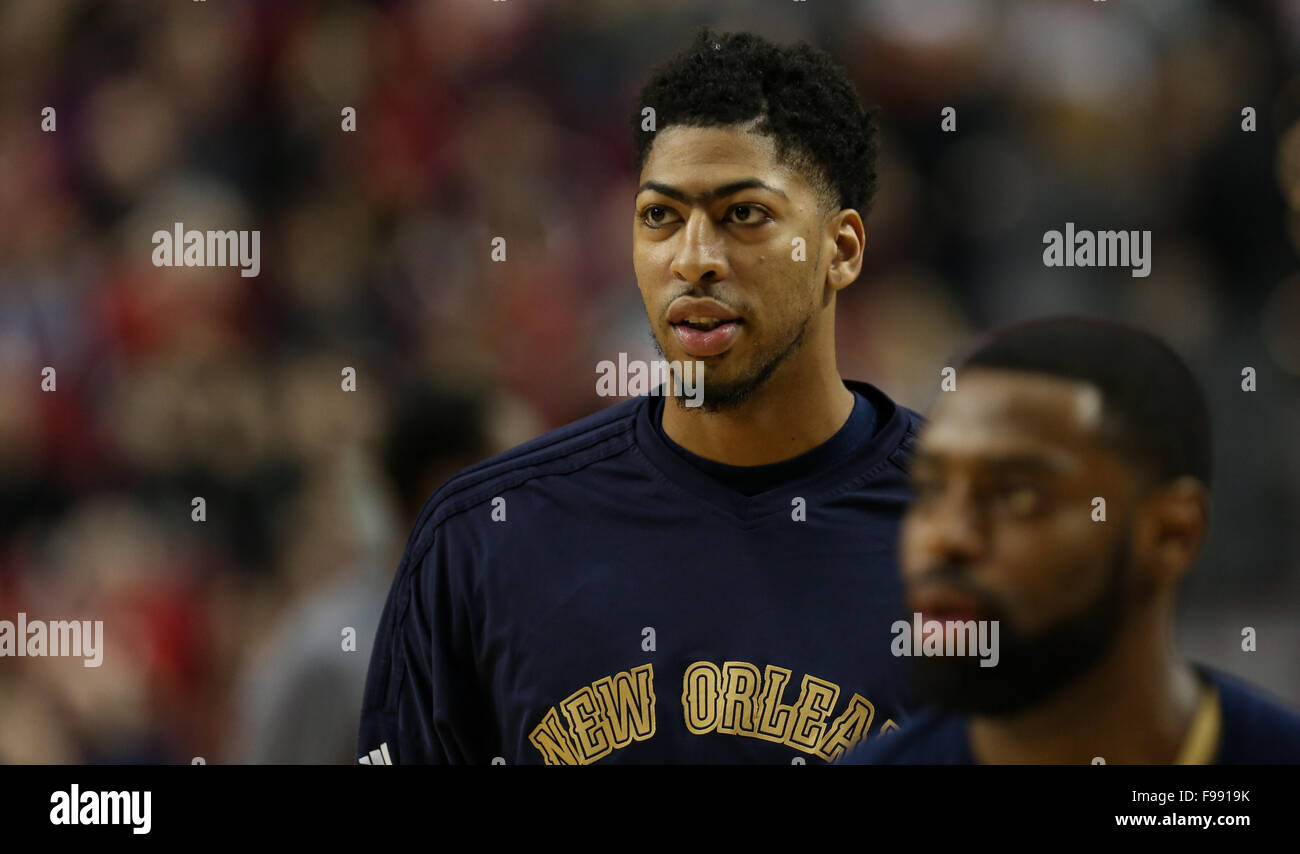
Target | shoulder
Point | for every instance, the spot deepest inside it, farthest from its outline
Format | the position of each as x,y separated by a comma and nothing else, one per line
897,423
929,738
568,451
1257,728
886,407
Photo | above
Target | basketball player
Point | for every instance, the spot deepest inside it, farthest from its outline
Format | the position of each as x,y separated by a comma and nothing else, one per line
1063,490
662,582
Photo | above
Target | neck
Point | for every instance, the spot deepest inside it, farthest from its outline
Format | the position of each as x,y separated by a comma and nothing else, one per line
788,416
1135,707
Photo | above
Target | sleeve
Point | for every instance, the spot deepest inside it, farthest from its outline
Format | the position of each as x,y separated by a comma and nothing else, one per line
423,702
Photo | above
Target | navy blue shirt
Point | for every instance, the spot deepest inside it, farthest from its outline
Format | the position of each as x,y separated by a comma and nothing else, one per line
751,480
592,596
1256,730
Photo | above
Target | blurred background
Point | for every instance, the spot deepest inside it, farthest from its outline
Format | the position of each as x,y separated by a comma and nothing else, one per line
476,119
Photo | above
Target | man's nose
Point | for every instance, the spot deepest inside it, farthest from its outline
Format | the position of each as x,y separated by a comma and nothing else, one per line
956,529
701,254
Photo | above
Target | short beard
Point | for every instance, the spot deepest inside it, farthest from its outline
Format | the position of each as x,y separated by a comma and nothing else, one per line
1030,669
720,397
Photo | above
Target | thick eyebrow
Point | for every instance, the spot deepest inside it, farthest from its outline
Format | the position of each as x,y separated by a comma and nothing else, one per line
714,194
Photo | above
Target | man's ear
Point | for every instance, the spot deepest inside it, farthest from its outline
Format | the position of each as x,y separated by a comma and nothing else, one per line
1177,522
849,244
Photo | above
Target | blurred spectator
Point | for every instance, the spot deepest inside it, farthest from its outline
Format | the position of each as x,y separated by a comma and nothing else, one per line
302,698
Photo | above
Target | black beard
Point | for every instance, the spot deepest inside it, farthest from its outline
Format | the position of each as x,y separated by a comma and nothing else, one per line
1031,668
719,397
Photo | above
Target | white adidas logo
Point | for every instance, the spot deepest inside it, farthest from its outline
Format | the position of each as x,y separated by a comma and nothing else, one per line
377,757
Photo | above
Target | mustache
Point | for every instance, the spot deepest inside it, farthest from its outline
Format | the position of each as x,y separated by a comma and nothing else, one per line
955,578
707,291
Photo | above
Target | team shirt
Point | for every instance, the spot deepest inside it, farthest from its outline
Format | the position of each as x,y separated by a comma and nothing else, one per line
1237,724
600,594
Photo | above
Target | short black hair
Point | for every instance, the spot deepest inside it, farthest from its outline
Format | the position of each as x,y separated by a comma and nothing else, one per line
800,96
1154,410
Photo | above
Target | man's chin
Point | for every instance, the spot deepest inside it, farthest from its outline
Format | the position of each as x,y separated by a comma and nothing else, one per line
733,377
962,691
1024,678
720,395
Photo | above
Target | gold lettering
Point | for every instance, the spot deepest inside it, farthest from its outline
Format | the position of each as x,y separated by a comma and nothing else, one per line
700,693
550,738
588,726
629,701
816,700
741,683
848,729
775,717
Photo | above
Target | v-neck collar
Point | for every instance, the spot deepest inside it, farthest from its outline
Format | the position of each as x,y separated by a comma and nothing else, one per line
894,434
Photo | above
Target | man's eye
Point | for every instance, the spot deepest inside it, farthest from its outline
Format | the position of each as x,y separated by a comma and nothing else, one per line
1020,500
654,215
753,214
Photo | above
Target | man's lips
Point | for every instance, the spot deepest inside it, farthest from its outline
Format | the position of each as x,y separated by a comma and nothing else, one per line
686,307
944,604
707,342
704,327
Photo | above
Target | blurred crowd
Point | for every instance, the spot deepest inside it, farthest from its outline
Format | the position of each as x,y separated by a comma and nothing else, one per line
477,119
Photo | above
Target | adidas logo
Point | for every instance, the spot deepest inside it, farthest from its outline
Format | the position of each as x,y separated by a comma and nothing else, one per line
377,757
